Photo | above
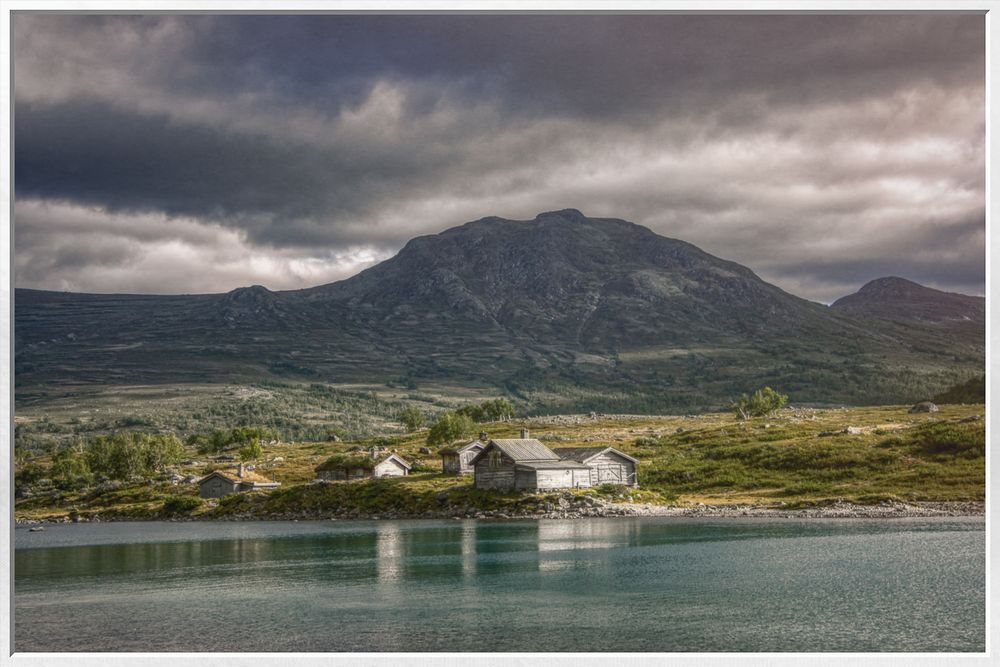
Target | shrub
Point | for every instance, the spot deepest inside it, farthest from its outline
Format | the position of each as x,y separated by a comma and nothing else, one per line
449,427
181,504
759,404
411,418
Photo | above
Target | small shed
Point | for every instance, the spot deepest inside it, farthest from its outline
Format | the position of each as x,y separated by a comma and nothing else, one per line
220,483
607,465
355,466
525,464
458,460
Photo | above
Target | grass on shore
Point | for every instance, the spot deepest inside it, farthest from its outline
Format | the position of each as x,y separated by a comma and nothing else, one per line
800,456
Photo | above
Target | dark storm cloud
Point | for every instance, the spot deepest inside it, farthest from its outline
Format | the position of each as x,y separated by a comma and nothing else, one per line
815,149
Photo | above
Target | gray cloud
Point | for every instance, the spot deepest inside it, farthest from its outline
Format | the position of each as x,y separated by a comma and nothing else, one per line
821,151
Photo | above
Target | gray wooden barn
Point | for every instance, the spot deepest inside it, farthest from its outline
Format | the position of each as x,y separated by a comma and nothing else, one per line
525,464
220,483
360,466
607,464
458,460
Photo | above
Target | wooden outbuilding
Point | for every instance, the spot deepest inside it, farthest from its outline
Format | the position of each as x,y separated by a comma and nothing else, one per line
458,460
525,464
220,483
607,465
359,466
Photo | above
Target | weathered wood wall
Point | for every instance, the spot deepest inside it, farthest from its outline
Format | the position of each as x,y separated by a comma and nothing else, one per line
609,468
216,488
499,475
389,469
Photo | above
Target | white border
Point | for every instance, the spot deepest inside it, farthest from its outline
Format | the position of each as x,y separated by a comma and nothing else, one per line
469,659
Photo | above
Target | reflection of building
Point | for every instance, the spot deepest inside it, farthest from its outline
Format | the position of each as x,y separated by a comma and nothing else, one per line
458,460
525,464
223,482
469,549
360,466
388,552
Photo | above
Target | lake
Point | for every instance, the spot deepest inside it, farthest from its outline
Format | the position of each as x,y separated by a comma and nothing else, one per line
621,584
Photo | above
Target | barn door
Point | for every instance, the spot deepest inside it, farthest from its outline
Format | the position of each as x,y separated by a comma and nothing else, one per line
610,475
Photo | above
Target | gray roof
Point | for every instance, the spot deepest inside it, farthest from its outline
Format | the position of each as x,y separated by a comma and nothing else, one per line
527,449
522,450
553,465
583,454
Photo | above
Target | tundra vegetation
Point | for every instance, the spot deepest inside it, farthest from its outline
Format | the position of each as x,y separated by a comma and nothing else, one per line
797,456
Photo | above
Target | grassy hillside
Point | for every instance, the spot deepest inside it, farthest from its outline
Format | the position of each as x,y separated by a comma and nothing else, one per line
801,455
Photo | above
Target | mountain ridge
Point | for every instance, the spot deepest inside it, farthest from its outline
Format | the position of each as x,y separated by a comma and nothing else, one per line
558,306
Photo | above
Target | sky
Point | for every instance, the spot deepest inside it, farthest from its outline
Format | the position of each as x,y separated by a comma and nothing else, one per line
193,154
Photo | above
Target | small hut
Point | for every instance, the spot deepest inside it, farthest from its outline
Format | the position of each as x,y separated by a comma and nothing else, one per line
220,483
607,464
458,460
359,466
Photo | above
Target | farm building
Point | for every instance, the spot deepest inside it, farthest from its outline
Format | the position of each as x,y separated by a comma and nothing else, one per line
458,460
607,464
525,464
360,466
223,482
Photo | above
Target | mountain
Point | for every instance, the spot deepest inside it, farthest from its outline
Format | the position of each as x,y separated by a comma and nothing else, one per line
562,311
902,300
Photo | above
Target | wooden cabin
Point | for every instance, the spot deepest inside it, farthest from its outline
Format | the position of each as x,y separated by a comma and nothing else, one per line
458,460
607,465
353,466
525,464
220,483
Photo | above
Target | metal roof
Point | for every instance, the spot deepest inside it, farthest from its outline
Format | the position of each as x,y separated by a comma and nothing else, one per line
527,449
583,454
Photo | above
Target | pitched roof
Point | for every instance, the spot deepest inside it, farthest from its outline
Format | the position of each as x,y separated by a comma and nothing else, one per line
249,477
342,461
584,454
459,450
521,450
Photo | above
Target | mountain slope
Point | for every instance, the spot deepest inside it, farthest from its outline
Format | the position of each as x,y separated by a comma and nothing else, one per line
562,310
902,300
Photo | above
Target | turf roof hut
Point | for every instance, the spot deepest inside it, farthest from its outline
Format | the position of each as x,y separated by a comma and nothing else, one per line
607,464
359,466
525,464
220,483
458,460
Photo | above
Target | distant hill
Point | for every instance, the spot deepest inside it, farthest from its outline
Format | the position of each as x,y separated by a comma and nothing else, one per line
971,391
902,300
562,312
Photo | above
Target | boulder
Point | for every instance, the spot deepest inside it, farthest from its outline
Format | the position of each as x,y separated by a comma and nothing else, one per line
923,406
425,450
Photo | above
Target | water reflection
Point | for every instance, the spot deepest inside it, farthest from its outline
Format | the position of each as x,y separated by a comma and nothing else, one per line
526,585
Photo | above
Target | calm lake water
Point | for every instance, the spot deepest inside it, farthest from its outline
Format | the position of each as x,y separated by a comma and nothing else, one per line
643,584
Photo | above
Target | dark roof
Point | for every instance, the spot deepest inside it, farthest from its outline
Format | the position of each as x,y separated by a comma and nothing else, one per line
583,454
344,461
458,450
249,477
521,450
552,465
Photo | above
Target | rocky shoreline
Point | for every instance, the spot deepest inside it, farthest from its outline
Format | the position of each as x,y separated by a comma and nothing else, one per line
569,506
